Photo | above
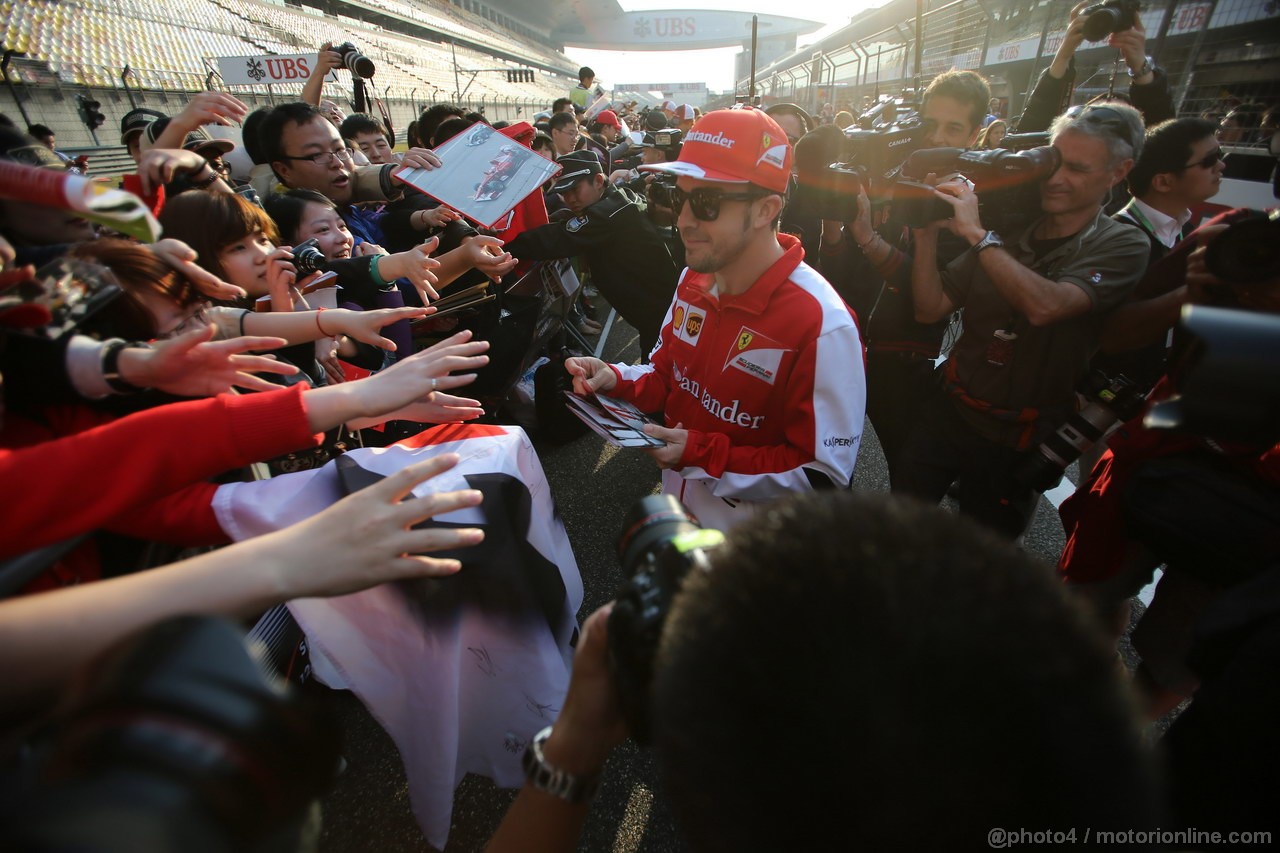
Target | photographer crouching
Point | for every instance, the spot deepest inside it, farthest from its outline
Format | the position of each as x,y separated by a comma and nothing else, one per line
1034,302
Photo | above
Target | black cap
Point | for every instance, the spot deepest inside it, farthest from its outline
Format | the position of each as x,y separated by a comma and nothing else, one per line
577,165
667,138
136,121
655,119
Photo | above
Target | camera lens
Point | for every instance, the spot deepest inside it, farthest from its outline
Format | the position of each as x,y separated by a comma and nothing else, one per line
307,259
356,62
1101,24
650,522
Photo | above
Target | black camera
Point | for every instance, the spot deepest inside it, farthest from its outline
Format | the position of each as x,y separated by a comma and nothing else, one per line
659,190
1006,182
1228,378
832,166
178,740
307,257
1111,401
1110,16
355,61
1248,251
660,544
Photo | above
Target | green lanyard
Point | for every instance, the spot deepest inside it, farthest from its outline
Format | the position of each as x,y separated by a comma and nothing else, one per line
1136,212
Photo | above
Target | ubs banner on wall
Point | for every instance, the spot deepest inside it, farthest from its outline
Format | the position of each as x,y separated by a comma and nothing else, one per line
253,70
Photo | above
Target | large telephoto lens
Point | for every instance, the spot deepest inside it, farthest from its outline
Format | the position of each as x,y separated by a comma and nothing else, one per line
649,523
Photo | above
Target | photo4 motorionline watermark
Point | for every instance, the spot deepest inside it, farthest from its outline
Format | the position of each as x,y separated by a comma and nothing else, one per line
1000,838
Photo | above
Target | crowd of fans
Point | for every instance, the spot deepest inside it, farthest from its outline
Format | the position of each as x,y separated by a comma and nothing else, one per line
937,669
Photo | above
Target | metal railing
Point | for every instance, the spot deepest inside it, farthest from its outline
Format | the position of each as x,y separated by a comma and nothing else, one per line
1012,41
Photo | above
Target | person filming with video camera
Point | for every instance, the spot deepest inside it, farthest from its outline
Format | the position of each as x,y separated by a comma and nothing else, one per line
870,266
1034,301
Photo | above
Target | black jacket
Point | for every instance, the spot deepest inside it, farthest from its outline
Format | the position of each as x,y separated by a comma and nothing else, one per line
630,262
1049,99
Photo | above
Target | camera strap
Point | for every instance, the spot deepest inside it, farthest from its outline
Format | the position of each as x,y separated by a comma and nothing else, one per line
1026,417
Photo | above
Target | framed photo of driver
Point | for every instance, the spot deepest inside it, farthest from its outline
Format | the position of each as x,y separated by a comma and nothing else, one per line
485,174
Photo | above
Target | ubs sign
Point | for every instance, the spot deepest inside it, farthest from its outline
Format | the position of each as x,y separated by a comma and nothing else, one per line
680,30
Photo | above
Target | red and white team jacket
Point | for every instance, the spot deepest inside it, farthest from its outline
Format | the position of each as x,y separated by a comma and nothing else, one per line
770,385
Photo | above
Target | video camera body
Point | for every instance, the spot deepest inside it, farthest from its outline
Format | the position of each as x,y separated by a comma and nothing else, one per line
1007,182
883,154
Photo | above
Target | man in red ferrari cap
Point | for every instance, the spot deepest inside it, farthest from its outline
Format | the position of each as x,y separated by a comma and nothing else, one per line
758,371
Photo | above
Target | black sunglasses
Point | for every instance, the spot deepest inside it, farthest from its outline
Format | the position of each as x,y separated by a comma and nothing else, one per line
1106,117
705,202
1207,162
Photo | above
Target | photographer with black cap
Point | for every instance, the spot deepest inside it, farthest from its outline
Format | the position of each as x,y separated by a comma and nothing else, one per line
630,262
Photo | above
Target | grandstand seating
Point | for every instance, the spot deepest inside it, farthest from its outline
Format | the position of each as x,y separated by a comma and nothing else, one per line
166,43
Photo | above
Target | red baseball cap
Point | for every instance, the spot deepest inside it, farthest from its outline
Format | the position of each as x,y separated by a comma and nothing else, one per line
608,117
737,146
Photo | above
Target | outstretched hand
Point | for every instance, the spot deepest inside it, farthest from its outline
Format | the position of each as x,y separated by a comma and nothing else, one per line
365,326
366,539
182,258
488,257
194,365
416,378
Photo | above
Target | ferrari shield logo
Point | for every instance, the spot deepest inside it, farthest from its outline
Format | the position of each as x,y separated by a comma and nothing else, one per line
744,340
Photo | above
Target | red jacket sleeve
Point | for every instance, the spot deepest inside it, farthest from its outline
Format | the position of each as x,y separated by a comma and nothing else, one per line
71,485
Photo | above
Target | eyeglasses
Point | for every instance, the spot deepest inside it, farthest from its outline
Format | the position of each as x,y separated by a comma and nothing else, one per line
705,203
199,317
324,158
1208,161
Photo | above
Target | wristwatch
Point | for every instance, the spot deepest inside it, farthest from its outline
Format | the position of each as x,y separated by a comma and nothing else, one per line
111,365
1147,68
552,780
988,240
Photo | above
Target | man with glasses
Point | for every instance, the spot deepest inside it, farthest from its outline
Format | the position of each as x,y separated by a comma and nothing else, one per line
306,152
564,133
1034,303
1181,166
629,260
758,372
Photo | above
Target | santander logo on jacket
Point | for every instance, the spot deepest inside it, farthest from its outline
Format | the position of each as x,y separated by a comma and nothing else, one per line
727,413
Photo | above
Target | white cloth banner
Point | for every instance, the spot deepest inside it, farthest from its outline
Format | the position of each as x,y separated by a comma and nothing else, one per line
460,671
294,69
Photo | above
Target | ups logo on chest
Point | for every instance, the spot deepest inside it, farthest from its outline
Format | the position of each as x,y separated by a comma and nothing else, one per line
693,324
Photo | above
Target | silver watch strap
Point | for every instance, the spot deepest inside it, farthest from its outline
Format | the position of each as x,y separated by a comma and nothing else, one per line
552,780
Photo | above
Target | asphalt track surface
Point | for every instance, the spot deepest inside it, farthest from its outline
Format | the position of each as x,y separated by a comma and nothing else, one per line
594,485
